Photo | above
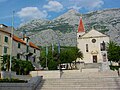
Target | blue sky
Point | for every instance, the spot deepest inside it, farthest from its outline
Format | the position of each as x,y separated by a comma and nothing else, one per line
26,10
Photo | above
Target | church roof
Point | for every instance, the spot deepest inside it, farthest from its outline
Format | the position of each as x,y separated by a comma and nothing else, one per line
81,26
93,33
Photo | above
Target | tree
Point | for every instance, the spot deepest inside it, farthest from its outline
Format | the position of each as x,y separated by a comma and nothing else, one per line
67,55
52,58
6,62
78,54
22,67
19,66
113,52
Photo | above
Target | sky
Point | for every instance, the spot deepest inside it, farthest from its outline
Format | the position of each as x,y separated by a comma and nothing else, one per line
25,10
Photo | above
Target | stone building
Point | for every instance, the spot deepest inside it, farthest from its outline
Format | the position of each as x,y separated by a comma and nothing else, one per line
22,48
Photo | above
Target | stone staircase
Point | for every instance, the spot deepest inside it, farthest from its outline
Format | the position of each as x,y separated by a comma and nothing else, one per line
82,81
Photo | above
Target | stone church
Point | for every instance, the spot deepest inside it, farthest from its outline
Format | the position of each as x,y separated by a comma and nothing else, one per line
92,44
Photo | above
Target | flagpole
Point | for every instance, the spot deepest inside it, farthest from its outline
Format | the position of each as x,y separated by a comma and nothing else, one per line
46,57
11,43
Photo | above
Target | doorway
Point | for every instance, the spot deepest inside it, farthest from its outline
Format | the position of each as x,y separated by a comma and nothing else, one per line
95,59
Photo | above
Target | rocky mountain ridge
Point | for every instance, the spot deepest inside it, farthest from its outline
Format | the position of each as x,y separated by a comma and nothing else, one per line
64,27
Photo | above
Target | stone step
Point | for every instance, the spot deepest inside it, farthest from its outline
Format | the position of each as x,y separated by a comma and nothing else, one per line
76,84
80,88
83,80
86,82
82,83
85,76
66,86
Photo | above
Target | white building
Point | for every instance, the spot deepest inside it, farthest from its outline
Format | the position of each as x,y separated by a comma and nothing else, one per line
92,44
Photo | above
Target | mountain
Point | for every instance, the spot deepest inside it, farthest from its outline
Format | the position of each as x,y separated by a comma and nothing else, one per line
64,27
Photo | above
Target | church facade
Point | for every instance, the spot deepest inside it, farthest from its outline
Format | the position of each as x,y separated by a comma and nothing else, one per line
92,44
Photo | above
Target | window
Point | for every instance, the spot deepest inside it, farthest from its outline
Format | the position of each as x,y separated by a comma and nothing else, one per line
27,50
102,46
86,47
104,57
18,45
34,59
18,56
95,59
6,39
34,50
93,40
5,49
27,57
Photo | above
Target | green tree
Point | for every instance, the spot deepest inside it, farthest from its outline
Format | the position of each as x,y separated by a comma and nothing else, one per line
67,55
6,62
22,67
113,52
19,66
52,59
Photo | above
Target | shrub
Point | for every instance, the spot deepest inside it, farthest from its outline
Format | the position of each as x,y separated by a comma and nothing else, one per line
12,81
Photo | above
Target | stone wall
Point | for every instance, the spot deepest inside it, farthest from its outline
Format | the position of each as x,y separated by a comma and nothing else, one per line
46,74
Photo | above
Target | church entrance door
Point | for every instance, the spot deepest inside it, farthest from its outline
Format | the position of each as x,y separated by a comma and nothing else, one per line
95,59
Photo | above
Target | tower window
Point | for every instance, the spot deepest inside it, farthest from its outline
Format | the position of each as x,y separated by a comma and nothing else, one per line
102,46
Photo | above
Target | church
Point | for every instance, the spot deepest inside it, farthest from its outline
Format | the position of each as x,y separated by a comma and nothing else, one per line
92,44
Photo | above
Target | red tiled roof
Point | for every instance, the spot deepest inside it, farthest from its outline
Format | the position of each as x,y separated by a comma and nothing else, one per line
33,45
18,39
81,26
23,42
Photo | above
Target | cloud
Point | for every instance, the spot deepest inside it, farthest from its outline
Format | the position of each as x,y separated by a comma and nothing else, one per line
92,4
75,7
29,13
79,4
54,6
